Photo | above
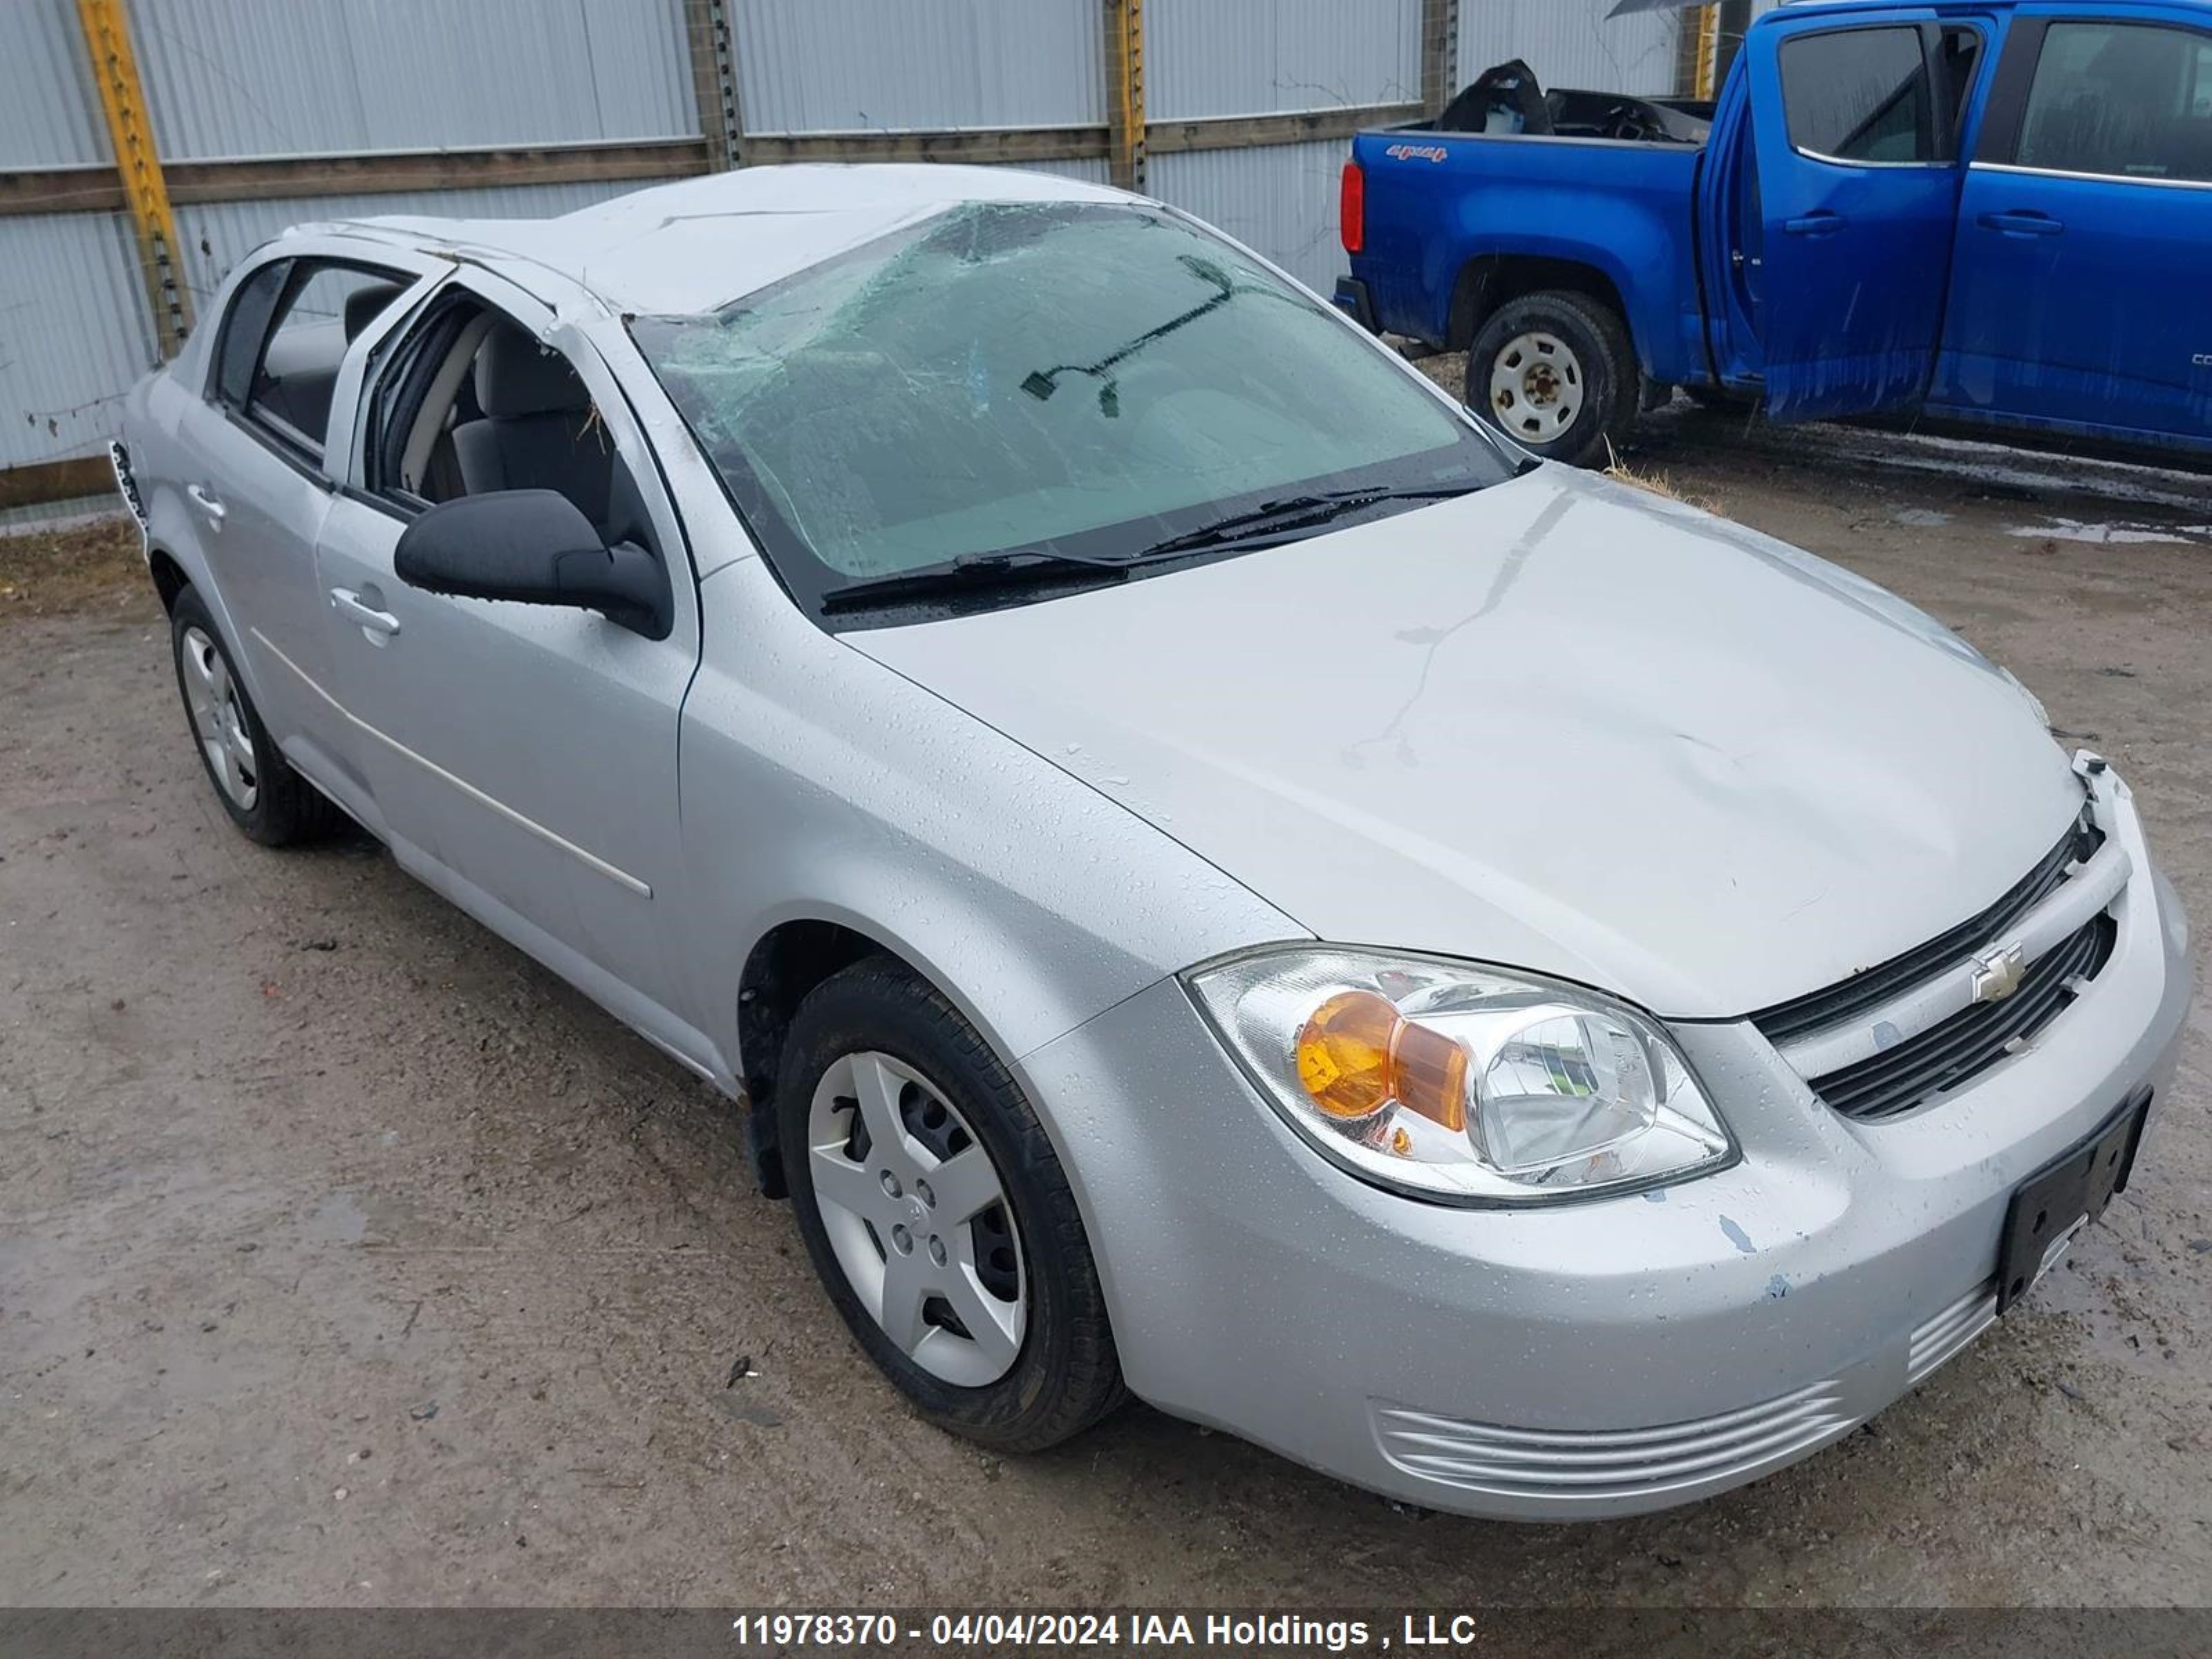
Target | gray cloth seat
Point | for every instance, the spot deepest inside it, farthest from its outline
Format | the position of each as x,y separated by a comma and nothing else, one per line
537,431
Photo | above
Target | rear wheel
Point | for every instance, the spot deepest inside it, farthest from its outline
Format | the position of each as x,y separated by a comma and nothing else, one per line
264,797
1555,372
938,1216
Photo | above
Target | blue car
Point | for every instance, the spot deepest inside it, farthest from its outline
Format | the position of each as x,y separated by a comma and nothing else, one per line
1991,214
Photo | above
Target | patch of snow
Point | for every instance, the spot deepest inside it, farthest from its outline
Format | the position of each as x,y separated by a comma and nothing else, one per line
2113,535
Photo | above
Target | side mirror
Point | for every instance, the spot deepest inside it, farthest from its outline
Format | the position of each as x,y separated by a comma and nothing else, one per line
533,547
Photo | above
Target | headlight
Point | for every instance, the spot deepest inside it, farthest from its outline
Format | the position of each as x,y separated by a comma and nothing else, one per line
1463,1082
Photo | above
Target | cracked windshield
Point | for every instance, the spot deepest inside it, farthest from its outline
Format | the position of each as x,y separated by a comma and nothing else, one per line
1081,382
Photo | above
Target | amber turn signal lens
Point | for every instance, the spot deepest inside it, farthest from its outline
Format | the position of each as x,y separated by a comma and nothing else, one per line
1344,1053
1356,1054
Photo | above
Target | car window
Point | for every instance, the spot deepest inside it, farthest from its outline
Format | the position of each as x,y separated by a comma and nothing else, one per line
1859,95
2126,100
244,328
468,401
1957,59
1086,378
284,337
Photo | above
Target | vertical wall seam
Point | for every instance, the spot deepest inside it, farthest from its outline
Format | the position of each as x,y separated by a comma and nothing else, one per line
1125,93
1439,54
131,131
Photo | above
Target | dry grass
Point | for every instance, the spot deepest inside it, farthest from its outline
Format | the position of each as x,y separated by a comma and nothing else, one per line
1657,483
85,570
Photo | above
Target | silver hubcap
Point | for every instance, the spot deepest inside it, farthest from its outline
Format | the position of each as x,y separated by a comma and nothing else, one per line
1536,386
218,721
918,1218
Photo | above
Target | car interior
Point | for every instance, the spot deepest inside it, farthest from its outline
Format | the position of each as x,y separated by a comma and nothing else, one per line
481,406
299,368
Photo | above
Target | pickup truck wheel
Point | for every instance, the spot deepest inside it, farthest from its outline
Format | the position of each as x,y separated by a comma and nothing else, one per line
264,796
938,1216
1553,371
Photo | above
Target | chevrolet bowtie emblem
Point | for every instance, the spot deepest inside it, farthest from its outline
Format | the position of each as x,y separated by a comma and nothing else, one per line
1998,974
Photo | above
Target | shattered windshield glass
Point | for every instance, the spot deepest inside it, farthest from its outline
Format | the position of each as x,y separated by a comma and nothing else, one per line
1083,379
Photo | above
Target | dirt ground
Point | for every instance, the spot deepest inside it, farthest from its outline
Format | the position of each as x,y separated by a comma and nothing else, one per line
346,1257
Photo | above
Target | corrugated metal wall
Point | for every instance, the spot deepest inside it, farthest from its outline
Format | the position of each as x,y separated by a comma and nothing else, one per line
1279,199
1229,58
1571,42
1272,56
279,77
74,327
75,333
217,234
48,115
861,65
227,79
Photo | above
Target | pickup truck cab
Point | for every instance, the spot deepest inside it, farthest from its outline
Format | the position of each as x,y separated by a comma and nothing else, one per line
1989,213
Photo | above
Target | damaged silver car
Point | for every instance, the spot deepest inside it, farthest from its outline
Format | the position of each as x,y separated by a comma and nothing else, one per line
1221,877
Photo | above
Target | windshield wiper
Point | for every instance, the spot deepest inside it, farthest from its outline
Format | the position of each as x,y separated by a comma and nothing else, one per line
971,571
1294,513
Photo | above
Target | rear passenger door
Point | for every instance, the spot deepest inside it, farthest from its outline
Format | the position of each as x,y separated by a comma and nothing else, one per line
261,490
2082,298
522,758
1855,130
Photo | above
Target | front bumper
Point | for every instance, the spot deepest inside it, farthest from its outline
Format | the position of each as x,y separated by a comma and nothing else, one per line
1590,1359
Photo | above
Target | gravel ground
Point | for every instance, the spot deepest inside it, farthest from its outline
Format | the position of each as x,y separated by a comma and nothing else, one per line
346,1257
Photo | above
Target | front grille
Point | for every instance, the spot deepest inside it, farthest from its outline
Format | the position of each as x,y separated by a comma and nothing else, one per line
1596,1464
1949,1053
1864,991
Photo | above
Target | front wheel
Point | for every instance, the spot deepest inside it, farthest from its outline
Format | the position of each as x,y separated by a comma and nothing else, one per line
937,1215
1555,372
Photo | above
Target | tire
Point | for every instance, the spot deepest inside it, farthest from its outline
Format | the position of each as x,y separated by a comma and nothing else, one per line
871,1040
253,782
1554,370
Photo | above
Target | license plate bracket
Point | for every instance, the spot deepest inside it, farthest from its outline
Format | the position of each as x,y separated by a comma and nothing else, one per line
2064,1196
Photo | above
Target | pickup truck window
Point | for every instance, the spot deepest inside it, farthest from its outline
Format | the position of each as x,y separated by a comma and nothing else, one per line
2122,100
1860,95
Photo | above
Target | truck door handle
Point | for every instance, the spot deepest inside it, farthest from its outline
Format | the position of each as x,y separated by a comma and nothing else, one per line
2021,224
206,502
1820,223
355,609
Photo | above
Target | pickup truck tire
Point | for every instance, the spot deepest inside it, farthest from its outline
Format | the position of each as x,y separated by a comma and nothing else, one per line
267,800
1554,370
875,1045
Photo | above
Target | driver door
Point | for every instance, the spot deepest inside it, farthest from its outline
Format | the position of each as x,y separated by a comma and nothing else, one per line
522,757
1855,147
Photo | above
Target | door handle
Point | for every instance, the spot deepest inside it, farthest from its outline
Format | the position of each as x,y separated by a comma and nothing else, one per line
206,502
2021,224
355,609
1821,223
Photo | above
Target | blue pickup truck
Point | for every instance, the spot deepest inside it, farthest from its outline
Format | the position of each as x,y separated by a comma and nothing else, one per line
1991,213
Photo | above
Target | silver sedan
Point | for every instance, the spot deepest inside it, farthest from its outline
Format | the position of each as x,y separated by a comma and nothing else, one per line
1219,877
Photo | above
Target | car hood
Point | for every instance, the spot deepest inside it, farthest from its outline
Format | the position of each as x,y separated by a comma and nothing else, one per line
1562,724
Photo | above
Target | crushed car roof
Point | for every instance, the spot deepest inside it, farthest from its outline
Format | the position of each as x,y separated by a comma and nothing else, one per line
701,243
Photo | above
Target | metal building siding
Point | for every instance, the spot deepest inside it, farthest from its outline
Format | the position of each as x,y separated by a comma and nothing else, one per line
216,235
853,65
285,78
49,112
1272,56
74,333
1570,42
1279,199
